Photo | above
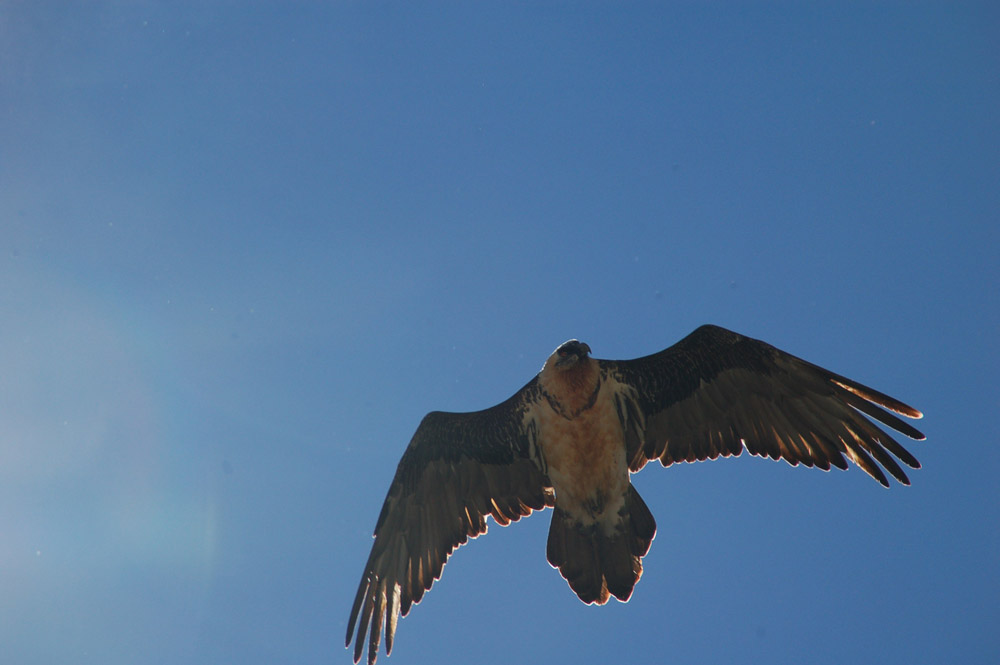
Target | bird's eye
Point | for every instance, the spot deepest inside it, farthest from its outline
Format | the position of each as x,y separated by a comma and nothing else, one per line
563,353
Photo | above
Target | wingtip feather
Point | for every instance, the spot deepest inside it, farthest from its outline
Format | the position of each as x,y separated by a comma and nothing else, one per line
876,397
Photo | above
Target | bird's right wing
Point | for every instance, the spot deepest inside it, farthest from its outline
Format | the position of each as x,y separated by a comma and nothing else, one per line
458,469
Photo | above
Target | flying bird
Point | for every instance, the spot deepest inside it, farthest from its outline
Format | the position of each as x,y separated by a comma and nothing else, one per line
569,439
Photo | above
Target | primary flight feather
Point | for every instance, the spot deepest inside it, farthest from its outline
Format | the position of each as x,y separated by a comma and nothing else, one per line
569,440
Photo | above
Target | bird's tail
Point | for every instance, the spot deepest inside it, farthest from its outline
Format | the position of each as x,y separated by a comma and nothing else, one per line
597,562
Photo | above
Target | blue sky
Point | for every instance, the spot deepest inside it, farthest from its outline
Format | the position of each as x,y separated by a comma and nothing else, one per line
244,249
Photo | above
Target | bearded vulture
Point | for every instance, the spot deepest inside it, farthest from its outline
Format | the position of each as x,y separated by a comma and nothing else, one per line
569,440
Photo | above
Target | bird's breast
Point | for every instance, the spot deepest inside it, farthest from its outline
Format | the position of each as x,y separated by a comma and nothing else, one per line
585,456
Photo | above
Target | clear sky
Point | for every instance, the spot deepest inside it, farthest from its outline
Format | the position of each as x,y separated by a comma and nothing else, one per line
244,249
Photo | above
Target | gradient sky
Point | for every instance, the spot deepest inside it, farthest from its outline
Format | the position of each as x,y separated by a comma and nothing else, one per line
244,249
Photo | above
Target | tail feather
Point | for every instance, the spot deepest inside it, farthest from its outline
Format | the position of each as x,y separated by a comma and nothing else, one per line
598,565
571,549
620,567
641,523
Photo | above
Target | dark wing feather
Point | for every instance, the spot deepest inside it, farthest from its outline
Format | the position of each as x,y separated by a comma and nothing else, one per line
716,392
458,468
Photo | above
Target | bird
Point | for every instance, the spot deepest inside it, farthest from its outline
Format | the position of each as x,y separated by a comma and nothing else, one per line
572,436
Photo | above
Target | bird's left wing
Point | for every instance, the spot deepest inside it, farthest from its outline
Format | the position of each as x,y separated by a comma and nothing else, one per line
458,469
716,392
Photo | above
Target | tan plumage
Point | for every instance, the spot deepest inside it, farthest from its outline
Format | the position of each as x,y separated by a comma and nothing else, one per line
572,435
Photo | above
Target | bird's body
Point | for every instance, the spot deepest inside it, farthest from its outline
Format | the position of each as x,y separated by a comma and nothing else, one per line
583,445
585,459
569,440
581,440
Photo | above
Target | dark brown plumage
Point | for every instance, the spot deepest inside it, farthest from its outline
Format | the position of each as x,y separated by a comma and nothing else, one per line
570,438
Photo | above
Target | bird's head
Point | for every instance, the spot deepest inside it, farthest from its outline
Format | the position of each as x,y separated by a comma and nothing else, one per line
569,354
